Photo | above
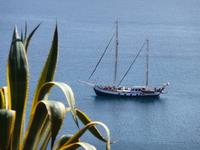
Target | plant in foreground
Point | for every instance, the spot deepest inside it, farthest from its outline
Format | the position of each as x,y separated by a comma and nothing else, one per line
46,116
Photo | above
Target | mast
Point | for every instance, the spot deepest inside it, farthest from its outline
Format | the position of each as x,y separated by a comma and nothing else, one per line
116,54
147,63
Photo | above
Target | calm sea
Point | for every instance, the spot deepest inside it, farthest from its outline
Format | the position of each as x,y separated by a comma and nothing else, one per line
85,26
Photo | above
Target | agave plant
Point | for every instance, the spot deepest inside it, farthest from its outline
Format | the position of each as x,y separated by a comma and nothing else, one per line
46,116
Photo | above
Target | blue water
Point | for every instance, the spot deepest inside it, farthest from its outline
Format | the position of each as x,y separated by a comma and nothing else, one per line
173,28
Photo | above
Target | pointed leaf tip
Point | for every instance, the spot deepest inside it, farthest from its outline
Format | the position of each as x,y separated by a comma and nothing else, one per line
56,33
15,34
27,39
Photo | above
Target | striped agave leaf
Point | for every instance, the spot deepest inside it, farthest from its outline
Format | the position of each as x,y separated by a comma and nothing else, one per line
54,113
62,140
43,94
7,122
47,136
77,135
47,73
48,70
46,117
76,145
67,91
26,39
85,120
17,78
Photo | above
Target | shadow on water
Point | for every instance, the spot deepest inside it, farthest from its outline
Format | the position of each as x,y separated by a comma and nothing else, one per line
144,100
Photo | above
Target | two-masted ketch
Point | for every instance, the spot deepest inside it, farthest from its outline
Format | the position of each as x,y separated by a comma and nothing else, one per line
123,91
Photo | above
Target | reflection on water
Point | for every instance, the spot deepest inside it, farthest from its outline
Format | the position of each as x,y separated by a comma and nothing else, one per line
142,119
136,99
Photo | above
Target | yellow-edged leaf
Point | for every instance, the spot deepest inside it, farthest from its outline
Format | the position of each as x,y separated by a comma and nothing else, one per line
2,101
47,134
43,94
61,141
7,122
48,70
26,40
47,73
67,91
87,127
53,111
85,120
5,102
76,145
57,115
17,78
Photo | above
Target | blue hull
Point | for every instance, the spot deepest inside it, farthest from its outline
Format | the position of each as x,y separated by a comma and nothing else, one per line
100,93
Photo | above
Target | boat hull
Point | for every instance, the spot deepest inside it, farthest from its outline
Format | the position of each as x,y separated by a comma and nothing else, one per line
103,92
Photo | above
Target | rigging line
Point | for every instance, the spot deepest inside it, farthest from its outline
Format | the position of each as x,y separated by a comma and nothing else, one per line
109,50
132,63
101,57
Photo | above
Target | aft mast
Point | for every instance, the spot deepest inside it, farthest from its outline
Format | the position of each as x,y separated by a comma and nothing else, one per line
125,91
147,63
116,54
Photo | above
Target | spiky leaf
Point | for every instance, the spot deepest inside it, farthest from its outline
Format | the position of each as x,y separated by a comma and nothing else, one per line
77,136
76,145
85,120
26,40
45,110
67,91
61,141
47,135
43,94
17,77
48,71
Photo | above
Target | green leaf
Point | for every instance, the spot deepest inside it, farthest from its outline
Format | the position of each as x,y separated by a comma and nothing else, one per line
47,134
57,115
76,145
17,78
50,110
48,71
61,141
76,136
5,102
7,122
26,40
43,94
2,101
67,91
85,120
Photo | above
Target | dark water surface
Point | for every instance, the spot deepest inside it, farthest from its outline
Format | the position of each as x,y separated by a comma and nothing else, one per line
173,27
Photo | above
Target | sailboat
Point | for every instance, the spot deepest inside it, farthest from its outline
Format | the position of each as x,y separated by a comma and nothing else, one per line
124,91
